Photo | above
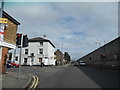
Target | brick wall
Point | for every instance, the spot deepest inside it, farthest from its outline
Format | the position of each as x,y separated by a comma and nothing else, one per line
3,59
10,37
10,32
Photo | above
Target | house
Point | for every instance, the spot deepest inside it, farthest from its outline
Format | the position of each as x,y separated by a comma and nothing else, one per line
59,57
8,39
39,50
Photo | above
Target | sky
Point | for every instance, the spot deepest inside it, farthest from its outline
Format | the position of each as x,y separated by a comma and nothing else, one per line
72,27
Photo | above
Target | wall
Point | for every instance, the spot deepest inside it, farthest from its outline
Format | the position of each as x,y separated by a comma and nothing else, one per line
4,58
51,51
34,48
10,32
0,52
107,56
59,57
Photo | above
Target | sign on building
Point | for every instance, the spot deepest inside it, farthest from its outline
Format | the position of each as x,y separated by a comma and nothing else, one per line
3,22
2,27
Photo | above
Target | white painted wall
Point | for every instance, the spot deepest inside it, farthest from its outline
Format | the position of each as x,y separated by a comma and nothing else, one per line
17,55
51,51
48,51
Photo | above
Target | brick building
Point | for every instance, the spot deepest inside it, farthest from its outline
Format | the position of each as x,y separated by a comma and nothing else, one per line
59,57
9,40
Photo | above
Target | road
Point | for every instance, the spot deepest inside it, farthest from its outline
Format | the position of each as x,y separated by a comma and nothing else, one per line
69,76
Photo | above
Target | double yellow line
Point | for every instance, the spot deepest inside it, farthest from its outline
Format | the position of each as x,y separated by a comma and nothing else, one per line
34,83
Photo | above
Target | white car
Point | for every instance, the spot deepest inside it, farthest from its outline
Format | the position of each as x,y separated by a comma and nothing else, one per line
76,64
82,63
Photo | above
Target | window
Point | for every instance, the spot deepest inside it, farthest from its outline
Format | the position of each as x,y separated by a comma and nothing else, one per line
16,58
41,43
40,51
32,54
40,59
46,57
25,60
26,51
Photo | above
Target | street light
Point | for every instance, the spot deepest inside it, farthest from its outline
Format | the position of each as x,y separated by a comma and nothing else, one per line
98,44
62,47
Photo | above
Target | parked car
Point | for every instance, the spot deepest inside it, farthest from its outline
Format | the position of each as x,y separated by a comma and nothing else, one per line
15,64
76,64
8,64
83,63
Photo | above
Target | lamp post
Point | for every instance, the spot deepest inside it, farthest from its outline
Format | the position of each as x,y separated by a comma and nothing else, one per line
98,44
62,47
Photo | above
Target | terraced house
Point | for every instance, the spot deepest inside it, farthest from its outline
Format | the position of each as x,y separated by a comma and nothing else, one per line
9,39
39,50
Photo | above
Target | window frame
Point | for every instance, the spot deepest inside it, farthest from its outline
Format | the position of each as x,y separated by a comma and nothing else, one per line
26,52
41,43
26,60
40,51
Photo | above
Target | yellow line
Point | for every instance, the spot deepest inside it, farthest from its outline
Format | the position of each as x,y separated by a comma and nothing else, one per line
33,82
36,82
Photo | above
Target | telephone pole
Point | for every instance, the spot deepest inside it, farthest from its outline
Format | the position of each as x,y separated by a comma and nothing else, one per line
1,10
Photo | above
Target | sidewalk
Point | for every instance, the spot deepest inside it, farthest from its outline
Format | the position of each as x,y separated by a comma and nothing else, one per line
11,80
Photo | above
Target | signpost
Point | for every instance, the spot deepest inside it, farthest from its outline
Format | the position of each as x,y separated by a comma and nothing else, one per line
3,23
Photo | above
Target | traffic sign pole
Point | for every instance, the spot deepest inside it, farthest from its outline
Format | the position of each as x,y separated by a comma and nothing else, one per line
20,57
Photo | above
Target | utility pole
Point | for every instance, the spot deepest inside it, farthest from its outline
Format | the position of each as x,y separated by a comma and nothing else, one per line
1,23
2,6
20,57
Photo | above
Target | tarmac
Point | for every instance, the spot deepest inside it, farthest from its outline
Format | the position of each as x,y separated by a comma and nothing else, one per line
15,80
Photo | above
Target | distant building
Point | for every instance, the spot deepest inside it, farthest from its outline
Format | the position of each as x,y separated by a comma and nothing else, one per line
8,41
39,50
59,57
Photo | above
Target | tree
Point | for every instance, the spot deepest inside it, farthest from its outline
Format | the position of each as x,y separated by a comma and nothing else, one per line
67,57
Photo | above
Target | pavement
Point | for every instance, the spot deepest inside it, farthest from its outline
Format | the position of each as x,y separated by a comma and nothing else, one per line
15,80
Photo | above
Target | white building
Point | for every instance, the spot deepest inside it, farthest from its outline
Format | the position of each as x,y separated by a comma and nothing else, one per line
39,50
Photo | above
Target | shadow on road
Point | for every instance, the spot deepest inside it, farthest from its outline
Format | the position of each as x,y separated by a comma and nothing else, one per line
105,79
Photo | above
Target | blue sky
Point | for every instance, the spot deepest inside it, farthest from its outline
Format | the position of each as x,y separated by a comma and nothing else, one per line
76,25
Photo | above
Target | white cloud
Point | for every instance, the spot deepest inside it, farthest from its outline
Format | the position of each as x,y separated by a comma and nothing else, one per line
77,25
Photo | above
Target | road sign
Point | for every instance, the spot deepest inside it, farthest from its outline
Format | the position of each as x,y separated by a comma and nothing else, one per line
3,20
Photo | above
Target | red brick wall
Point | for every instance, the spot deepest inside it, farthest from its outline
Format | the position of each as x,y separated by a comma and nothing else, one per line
3,59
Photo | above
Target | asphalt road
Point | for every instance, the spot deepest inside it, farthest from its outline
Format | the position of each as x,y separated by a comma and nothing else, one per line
70,76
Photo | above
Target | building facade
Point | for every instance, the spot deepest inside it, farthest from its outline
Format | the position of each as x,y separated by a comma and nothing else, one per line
59,57
107,56
9,39
39,50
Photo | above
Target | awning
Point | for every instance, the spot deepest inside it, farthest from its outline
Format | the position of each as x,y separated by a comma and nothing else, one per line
6,44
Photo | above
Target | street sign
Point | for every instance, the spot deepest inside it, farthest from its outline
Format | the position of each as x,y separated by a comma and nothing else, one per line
3,20
2,27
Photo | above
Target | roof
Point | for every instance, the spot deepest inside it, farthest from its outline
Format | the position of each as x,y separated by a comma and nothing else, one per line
58,52
6,15
40,39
